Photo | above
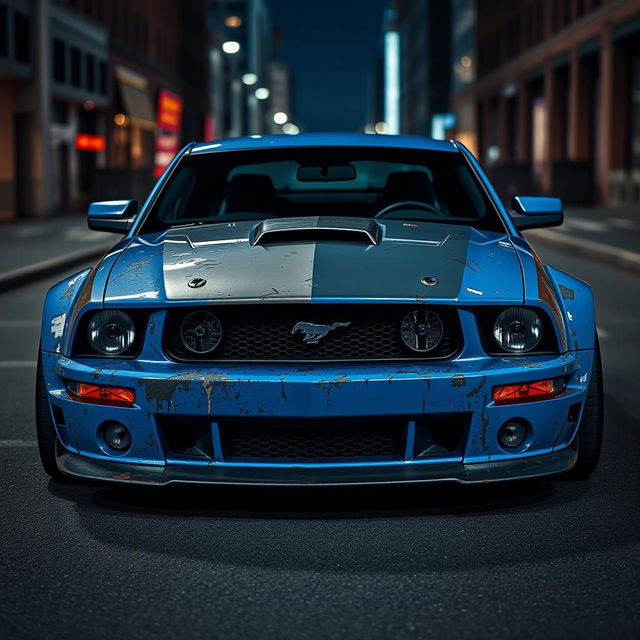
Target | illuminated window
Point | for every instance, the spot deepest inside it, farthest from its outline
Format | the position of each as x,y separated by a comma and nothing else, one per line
392,81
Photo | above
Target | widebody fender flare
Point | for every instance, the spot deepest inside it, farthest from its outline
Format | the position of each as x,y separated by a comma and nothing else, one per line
576,300
57,313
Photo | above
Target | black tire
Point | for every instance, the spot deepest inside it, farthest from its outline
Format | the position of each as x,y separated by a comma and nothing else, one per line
45,429
589,437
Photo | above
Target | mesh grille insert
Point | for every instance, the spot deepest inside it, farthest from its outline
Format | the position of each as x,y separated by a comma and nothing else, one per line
312,443
362,332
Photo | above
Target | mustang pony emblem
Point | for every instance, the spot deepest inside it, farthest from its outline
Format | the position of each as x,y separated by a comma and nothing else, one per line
313,332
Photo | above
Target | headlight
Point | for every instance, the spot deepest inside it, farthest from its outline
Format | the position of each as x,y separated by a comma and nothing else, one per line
111,332
422,330
517,329
201,332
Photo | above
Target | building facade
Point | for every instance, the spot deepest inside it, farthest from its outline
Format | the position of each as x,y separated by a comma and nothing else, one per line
249,84
553,106
425,54
410,84
95,97
463,69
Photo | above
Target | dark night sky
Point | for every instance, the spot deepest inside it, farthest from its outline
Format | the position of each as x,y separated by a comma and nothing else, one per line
330,45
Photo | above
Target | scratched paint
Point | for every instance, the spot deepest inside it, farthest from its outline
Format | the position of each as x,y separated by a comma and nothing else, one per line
57,325
567,293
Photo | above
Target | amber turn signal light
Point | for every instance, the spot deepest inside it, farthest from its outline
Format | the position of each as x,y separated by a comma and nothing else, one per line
101,394
528,391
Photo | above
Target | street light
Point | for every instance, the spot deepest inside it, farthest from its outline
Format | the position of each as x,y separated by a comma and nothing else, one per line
280,117
249,79
231,46
290,129
233,22
262,93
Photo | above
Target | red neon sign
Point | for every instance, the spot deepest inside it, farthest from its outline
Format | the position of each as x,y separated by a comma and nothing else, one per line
169,123
89,142
169,111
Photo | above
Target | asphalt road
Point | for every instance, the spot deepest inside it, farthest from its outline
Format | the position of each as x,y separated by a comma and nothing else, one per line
542,559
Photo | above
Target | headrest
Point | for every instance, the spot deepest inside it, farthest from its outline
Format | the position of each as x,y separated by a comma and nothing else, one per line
249,192
408,185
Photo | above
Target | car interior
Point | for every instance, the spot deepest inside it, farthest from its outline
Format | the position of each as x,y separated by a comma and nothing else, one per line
224,187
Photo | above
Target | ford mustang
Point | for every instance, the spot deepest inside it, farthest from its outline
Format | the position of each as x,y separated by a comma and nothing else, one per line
320,310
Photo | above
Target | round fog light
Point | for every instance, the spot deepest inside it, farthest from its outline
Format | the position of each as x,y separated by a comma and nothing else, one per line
116,436
512,434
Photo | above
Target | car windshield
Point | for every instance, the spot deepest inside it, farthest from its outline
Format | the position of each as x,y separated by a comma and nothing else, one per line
383,183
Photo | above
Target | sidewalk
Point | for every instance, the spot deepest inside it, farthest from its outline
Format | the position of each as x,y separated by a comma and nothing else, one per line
603,234
31,249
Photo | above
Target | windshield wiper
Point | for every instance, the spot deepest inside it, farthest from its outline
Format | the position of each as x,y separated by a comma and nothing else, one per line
189,224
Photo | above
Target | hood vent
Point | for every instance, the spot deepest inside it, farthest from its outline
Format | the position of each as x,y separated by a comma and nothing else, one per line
316,229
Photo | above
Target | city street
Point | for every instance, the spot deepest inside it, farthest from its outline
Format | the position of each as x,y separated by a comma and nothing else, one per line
316,286
540,559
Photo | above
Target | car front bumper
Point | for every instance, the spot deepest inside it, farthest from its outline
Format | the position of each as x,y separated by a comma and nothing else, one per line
405,393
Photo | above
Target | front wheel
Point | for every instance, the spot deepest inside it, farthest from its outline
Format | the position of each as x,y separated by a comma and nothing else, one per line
589,436
45,429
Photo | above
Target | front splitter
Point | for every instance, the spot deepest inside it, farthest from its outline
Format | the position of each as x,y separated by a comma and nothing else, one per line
76,466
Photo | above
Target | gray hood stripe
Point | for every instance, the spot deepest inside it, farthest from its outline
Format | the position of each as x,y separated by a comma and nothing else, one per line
318,271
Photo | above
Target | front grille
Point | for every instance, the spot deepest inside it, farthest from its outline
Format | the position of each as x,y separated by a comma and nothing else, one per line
256,332
311,443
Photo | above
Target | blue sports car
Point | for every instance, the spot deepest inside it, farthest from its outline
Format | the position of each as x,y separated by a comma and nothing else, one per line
320,310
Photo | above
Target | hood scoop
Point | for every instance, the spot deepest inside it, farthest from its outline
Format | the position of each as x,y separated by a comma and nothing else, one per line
315,229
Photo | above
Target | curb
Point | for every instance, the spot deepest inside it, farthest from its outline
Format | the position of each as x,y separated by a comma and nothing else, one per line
605,253
25,275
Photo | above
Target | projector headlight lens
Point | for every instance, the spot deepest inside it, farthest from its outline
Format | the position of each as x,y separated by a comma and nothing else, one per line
517,330
111,332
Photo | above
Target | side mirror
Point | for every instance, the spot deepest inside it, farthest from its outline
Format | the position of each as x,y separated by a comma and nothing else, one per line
529,212
114,215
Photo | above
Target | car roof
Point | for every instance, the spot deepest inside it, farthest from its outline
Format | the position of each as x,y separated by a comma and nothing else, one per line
324,140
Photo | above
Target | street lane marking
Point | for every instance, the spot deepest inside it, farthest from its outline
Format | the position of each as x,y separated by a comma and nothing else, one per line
622,223
18,443
602,333
19,323
30,232
15,364
587,225
84,234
